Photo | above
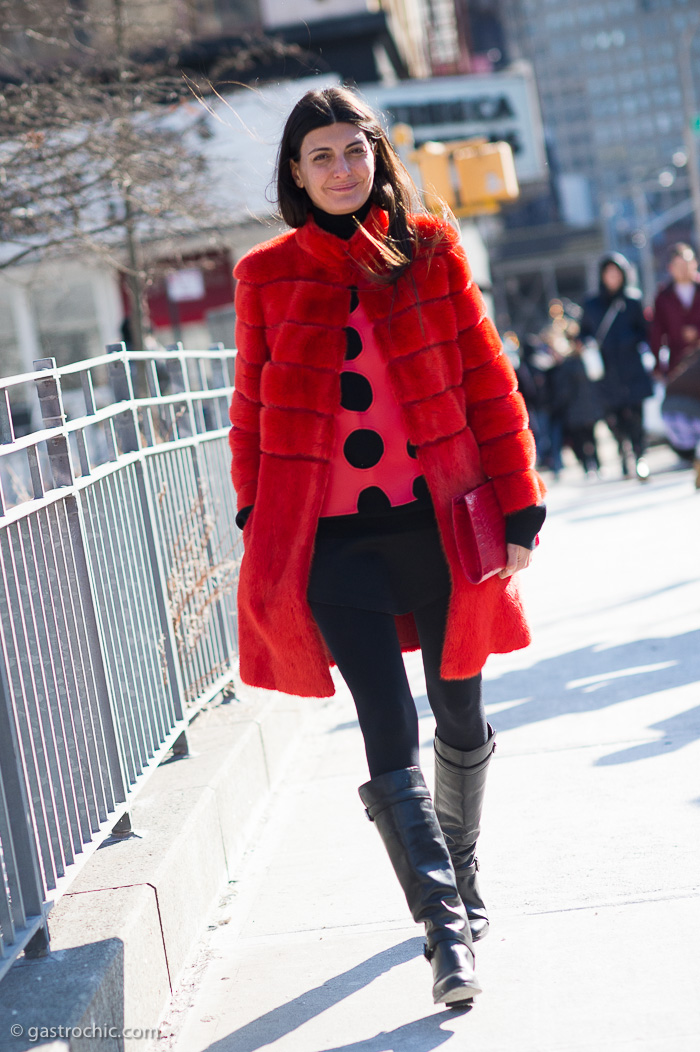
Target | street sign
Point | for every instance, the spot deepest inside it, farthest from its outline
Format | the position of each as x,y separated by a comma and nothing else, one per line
695,124
498,107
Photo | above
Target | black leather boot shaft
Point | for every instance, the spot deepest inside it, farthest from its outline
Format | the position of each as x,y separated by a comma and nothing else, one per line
399,804
460,782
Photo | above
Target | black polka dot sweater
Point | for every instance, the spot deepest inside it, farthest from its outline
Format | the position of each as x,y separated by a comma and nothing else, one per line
374,467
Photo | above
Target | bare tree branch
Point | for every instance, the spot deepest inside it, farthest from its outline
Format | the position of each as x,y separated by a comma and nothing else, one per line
95,154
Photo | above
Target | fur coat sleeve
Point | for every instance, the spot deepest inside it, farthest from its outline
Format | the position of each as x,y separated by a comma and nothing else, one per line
252,353
495,409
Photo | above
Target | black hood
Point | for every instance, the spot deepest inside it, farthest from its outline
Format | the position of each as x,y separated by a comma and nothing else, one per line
623,265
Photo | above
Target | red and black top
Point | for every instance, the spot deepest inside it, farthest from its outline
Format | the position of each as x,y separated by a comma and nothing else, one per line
374,466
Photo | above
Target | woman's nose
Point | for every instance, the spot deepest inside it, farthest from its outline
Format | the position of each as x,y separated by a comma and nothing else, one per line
341,166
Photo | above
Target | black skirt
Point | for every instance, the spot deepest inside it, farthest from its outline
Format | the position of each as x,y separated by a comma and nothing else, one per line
390,563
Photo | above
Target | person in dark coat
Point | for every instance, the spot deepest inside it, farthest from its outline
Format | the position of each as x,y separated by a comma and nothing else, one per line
676,323
537,362
575,402
615,320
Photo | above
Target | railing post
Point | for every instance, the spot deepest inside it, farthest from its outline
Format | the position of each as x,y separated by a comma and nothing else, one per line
123,827
181,746
53,415
7,434
21,856
179,382
123,391
38,945
7,431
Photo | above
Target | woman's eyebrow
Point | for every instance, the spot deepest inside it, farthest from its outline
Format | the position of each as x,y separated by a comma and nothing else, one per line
358,140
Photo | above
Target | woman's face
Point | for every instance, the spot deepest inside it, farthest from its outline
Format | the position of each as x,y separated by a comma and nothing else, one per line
613,278
335,167
683,268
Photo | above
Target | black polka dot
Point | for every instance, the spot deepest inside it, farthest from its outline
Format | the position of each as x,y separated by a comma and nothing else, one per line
355,392
353,343
363,448
420,488
372,500
354,298
411,450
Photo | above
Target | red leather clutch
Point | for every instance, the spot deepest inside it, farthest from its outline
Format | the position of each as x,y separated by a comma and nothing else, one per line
480,533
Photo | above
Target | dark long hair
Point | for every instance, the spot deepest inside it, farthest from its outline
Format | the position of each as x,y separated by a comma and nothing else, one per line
392,189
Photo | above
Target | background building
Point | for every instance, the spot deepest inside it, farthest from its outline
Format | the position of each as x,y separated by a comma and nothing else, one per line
609,74
361,40
609,80
358,39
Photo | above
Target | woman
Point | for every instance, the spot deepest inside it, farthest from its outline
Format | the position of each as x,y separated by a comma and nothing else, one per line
614,318
676,321
362,345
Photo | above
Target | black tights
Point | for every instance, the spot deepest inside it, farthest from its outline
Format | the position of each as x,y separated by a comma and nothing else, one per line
365,647
627,422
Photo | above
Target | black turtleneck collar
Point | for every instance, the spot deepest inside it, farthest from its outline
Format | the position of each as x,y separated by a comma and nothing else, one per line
343,226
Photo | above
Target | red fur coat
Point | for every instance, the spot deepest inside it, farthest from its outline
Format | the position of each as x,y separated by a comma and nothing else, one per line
446,366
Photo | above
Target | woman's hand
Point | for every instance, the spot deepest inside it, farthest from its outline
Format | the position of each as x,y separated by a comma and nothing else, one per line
690,335
518,559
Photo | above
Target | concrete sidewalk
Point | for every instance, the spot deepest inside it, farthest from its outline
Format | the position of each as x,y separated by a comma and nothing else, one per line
590,852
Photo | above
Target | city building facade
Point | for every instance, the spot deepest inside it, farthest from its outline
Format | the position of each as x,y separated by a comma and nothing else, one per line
610,74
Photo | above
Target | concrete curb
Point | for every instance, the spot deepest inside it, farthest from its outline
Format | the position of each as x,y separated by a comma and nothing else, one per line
121,935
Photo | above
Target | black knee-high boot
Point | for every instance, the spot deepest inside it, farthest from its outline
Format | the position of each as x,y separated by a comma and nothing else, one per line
460,780
400,806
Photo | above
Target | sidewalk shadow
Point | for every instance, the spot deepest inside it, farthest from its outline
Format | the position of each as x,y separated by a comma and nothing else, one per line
422,1035
677,731
283,1020
588,680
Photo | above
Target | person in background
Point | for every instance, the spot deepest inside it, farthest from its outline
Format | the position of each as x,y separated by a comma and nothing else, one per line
614,318
575,401
526,381
680,411
676,322
534,378
126,334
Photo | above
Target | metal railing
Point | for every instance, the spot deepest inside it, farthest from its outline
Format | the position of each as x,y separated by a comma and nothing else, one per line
118,570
